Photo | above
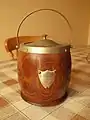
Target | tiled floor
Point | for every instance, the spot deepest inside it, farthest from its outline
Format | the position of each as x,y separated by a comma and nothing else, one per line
75,107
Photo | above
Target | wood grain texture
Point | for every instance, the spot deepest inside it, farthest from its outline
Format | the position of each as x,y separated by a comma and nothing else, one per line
11,43
31,87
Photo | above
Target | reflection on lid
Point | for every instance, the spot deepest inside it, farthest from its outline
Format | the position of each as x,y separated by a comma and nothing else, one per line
43,43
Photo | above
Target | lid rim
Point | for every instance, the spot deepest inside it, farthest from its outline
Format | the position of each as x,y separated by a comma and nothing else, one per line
44,50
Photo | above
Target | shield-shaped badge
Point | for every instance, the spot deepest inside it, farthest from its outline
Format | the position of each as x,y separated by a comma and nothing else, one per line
46,77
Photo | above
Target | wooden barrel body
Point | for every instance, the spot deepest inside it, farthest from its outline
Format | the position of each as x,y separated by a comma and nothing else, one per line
44,78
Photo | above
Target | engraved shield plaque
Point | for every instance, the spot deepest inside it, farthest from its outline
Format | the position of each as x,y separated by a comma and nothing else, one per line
46,77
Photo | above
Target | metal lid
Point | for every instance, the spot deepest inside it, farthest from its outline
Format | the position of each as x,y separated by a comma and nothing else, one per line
44,46
44,42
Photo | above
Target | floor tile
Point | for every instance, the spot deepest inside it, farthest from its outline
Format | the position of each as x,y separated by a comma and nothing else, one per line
50,117
5,61
63,114
78,117
21,104
86,92
6,90
8,65
19,91
7,111
83,76
13,97
17,116
34,113
2,86
3,77
78,88
85,113
3,102
9,62
16,70
72,92
77,71
49,109
7,70
11,74
84,100
76,80
53,108
15,87
74,106
10,82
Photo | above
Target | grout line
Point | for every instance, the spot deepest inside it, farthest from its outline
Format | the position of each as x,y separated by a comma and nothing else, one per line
51,112
16,113
62,105
79,115
10,103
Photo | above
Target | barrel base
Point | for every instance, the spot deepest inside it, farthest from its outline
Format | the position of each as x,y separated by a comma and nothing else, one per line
50,103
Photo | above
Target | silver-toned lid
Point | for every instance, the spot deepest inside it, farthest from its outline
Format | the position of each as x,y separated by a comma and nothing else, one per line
44,46
44,42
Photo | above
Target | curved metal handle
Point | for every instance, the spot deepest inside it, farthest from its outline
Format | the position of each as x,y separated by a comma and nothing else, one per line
35,12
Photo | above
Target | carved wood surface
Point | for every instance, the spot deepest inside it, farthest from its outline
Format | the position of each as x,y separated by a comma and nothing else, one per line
31,87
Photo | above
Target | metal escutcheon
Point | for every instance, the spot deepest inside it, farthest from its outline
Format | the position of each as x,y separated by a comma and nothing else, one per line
46,77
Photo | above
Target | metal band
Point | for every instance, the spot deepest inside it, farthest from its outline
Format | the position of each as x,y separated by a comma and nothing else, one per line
44,50
18,30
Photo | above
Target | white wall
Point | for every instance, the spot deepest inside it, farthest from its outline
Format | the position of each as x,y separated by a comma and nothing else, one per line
12,11
89,35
